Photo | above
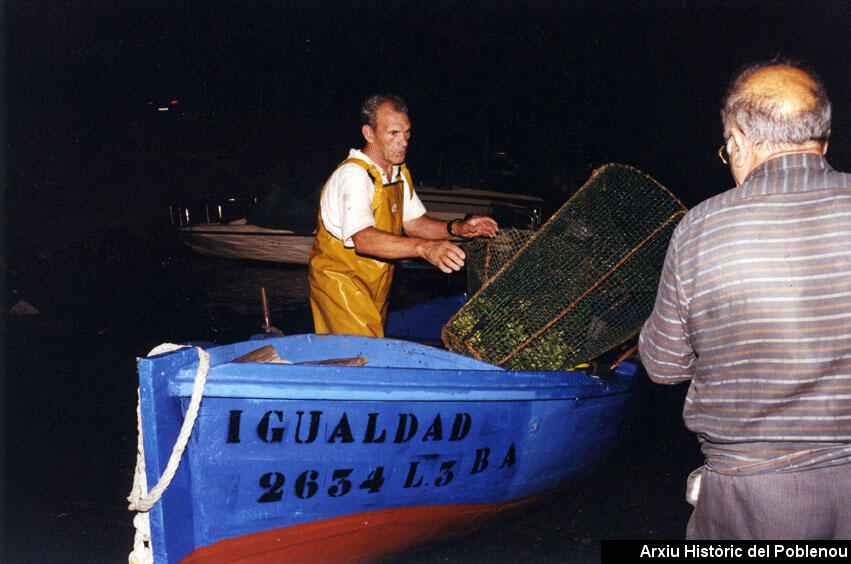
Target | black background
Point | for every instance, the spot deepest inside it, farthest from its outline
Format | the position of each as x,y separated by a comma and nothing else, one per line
269,93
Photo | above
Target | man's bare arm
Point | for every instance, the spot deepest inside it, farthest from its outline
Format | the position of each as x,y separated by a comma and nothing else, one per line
443,254
428,228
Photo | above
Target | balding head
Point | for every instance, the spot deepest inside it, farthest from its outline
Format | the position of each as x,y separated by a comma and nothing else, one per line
778,105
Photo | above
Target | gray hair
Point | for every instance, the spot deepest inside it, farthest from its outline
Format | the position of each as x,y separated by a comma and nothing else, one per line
763,119
369,109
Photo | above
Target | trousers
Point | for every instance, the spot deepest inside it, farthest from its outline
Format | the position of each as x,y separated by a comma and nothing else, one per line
810,504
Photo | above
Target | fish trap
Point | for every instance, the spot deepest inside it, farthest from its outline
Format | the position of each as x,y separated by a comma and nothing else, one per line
578,287
486,256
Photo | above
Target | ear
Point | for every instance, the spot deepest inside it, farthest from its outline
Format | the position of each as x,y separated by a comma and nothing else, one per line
741,145
368,133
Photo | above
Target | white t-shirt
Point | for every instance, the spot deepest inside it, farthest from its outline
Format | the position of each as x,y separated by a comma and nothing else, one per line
346,203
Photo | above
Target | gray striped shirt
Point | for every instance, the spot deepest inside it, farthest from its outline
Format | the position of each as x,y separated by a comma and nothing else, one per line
754,307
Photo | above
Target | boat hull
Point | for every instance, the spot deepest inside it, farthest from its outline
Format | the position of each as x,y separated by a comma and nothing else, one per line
248,242
362,537
348,463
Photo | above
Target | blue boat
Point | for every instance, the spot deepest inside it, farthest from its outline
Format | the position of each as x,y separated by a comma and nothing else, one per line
311,458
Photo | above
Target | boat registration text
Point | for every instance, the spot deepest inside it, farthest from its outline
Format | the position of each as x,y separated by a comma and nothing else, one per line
434,450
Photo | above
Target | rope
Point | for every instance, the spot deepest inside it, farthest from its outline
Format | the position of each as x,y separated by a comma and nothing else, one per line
140,501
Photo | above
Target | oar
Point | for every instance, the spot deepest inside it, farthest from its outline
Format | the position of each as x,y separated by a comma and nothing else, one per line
267,326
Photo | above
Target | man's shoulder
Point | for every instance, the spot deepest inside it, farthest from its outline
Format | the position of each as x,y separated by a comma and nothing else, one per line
713,203
359,159
351,171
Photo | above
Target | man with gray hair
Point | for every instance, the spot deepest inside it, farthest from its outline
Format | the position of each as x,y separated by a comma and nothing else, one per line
754,308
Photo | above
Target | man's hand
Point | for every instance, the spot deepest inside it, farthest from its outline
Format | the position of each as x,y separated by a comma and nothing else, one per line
446,256
476,226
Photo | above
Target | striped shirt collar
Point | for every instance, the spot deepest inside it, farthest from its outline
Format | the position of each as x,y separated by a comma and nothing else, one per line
788,163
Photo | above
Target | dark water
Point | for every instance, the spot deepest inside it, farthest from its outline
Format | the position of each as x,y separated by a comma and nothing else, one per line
69,422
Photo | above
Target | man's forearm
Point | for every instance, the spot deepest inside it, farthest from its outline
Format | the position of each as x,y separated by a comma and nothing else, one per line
427,228
443,254
377,243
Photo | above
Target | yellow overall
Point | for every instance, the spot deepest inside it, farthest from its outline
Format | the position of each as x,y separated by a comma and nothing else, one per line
348,292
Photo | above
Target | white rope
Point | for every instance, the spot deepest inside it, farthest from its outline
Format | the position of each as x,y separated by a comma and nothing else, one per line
140,501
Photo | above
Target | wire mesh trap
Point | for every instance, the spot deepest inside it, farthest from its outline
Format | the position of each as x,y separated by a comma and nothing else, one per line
581,285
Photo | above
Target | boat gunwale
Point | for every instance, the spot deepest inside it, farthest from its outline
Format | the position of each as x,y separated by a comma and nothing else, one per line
385,383
222,383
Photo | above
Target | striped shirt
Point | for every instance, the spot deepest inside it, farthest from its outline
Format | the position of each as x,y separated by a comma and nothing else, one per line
754,307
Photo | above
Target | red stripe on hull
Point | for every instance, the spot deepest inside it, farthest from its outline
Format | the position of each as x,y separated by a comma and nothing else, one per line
362,537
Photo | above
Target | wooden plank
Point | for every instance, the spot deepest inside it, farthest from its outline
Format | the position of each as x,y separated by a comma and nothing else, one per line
263,354
269,355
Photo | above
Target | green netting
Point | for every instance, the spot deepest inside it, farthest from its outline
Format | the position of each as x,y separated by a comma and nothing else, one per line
582,284
485,257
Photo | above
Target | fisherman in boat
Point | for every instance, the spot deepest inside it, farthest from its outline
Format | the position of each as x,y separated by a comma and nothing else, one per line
753,308
369,213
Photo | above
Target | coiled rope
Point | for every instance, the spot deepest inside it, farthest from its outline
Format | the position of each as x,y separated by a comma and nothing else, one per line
140,501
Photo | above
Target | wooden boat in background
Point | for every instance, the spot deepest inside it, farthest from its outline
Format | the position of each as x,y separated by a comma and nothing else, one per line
322,462
212,230
241,240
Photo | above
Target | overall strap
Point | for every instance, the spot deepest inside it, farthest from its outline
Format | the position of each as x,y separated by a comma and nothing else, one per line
375,174
370,169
